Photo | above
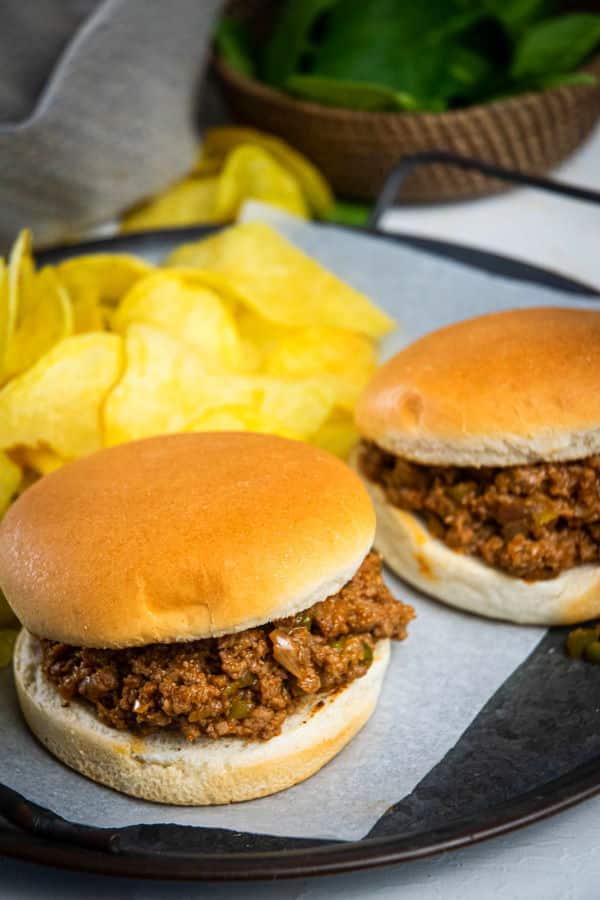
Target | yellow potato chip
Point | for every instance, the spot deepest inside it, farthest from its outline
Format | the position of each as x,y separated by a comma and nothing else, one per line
294,408
226,418
205,165
10,478
259,337
218,143
253,174
281,283
186,309
41,459
4,314
166,388
29,477
161,389
45,317
189,202
338,434
14,281
57,402
21,270
344,360
95,281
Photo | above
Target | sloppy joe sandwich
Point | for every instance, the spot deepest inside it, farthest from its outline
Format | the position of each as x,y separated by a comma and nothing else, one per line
204,620
481,452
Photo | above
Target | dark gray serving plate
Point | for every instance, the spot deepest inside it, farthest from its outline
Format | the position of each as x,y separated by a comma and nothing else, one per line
533,750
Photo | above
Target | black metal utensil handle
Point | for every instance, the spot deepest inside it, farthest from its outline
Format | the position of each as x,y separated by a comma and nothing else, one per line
398,175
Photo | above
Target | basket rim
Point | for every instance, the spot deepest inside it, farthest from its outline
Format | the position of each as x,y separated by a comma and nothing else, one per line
527,99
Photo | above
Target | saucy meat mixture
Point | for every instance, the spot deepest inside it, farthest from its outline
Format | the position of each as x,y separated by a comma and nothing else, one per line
530,521
241,684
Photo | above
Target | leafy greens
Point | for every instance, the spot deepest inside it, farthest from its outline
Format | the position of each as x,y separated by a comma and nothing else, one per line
415,55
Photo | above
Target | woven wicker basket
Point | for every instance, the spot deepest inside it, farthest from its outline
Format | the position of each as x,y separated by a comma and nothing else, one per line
355,150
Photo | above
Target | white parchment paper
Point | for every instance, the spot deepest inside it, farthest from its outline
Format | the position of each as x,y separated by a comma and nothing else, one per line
438,680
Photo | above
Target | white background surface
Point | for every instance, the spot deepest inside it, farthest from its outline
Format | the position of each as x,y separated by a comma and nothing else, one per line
557,858
553,232
553,860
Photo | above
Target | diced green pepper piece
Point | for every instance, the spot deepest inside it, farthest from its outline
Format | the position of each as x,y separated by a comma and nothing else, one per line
8,637
246,680
303,619
546,516
240,709
592,652
459,491
577,641
367,656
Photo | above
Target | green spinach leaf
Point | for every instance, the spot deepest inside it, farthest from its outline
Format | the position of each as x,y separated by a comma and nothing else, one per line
233,44
283,53
566,79
409,48
354,214
556,45
347,94
517,15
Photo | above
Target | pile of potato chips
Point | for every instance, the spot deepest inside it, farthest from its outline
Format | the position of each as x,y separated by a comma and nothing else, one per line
235,165
239,331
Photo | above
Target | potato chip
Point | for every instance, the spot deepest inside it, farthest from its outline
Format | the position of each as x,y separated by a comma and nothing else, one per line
41,459
205,165
95,281
259,337
186,309
187,203
218,143
253,174
338,434
226,418
13,281
21,270
281,283
220,284
293,409
29,477
57,402
344,360
161,389
4,314
166,388
44,318
10,478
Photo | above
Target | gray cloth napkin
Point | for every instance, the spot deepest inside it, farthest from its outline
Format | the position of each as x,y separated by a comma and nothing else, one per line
98,107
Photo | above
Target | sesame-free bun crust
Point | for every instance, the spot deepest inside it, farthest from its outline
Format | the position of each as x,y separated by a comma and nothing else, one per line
166,768
501,389
182,537
468,583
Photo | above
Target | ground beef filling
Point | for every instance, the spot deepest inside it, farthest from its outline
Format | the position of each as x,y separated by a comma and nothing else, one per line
242,684
530,521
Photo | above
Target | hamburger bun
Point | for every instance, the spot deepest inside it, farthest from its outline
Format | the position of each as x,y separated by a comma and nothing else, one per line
498,390
182,537
466,582
167,769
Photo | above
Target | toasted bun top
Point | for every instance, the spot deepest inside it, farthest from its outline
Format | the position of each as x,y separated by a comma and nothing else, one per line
182,537
502,389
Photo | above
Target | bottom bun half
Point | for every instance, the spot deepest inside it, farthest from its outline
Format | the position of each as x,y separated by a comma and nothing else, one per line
166,768
469,584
